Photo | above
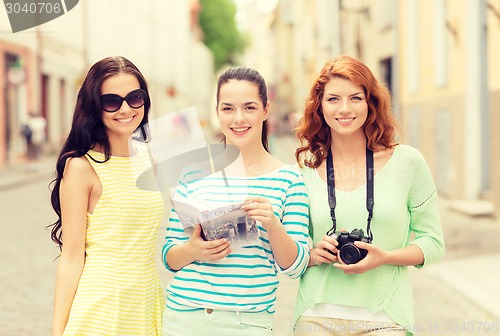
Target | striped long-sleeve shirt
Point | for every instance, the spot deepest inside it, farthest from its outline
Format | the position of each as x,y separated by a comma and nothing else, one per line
246,279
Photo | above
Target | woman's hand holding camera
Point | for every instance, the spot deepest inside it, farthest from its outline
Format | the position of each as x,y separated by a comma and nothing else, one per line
374,258
326,252
202,250
321,253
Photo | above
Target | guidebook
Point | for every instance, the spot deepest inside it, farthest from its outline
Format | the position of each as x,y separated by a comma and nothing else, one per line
227,221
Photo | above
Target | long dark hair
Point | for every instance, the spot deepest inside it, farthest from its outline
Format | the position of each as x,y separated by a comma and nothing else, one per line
87,128
253,76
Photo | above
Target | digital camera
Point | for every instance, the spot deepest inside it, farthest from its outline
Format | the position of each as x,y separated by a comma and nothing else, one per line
350,253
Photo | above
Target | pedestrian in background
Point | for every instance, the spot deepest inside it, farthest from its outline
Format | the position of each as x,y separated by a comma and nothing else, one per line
37,124
360,179
27,134
34,132
219,289
107,282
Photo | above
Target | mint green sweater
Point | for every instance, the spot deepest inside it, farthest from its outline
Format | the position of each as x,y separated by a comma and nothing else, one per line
406,212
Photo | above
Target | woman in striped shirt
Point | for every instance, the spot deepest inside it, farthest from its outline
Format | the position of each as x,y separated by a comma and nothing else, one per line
219,289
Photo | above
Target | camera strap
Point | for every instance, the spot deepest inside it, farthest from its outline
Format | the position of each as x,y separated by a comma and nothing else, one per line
332,200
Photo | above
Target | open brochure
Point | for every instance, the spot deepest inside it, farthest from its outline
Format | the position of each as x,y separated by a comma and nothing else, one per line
227,221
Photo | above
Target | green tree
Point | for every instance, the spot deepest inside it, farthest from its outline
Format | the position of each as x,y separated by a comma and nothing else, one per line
222,37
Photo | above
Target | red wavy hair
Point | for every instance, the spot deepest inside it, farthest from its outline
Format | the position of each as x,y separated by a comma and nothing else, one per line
380,126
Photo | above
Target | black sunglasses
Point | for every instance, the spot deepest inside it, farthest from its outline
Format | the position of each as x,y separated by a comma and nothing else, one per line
112,102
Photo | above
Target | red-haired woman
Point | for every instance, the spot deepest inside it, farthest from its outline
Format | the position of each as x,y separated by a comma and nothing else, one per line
373,208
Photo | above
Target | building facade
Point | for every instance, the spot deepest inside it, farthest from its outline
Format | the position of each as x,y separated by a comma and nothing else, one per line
449,94
42,68
438,57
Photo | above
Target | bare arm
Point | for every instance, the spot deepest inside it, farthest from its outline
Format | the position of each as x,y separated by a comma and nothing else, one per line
75,189
410,255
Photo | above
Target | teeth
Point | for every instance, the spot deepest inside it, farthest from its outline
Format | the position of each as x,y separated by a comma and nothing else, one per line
125,120
345,119
242,129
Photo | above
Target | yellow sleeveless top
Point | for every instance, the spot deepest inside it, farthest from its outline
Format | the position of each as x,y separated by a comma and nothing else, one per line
119,292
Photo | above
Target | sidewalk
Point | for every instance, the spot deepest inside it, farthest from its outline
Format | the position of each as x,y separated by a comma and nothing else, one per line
472,258
20,173
475,278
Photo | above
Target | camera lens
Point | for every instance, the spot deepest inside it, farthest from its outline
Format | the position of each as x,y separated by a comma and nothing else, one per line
350,254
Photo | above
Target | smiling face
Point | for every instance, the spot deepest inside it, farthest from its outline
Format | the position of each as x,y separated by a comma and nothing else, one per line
241,113
344,107
126,119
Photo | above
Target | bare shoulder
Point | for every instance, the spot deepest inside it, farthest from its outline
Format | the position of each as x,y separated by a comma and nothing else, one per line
77,165
79,169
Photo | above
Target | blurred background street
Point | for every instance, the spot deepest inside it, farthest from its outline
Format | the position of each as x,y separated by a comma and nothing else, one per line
439,59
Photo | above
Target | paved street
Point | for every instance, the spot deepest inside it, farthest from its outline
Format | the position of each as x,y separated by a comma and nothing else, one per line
28,272
457,296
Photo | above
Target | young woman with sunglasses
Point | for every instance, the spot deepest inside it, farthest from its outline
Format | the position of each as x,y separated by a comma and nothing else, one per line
360,178
219,289
107,282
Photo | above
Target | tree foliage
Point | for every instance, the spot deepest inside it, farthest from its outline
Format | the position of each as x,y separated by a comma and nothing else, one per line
222,37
